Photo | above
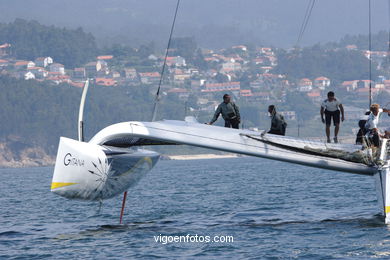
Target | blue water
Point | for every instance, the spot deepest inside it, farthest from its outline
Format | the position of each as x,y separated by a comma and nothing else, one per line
273,210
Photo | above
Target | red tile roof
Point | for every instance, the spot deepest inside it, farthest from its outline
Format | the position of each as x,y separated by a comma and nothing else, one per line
105,82
105,57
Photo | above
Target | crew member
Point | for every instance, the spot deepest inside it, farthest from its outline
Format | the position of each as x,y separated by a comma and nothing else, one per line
331,107
230,113
278,124
372,123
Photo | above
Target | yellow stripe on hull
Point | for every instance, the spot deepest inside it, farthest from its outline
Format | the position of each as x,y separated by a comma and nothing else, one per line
55,185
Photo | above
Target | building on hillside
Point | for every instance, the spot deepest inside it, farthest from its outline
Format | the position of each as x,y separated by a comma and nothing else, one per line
105,57
23,64
149,77
246,93
315,95
5,49
107,82
322,83
39,72
261,96
43,61
222,87
181,93
29,75
57,67
289,115
92,68
176,61
79,73
4,63
305,85
350,85
130,73
240,47
230,66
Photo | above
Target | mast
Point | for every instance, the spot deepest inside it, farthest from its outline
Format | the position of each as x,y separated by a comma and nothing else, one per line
369,51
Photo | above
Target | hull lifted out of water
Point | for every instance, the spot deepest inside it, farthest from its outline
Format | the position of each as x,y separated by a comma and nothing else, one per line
340,157
115,149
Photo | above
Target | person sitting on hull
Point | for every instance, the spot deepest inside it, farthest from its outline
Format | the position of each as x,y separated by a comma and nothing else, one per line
230,113
331,107
371,125
278,124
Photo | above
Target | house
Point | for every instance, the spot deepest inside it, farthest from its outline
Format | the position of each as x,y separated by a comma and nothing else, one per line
179,78
29,75
77,84
261,96
230,66
322,82
57,67
105,57
39,72
115,74
315,95
152,57
305,85
289,115
43,61
57,78
350,85
92,68
181,93
5,49
79,73
107,82
246,93
240,47
4,63
23,64
218,87
177,61
351,47
130,73
387,84
149,77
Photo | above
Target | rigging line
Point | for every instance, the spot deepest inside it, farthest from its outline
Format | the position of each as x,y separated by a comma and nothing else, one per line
388,43
306,19
303,22
369,50
164,64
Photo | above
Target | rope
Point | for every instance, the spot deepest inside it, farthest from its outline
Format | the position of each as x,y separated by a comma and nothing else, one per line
306,18
369,49
157,99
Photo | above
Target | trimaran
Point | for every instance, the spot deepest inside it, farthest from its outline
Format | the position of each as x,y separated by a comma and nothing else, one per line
114,159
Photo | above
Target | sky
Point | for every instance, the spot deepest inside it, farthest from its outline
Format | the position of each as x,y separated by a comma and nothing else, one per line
213,23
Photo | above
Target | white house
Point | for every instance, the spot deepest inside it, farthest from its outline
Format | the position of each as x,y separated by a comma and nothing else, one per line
29,75
43,61
57,67
322,82
305,85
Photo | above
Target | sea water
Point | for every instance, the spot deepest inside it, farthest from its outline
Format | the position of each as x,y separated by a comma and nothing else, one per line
262,209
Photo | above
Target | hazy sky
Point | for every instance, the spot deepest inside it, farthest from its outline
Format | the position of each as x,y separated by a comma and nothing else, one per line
214,23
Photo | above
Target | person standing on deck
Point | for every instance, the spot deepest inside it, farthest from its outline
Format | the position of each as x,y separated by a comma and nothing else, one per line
230,113
332,107
371,125
278,124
